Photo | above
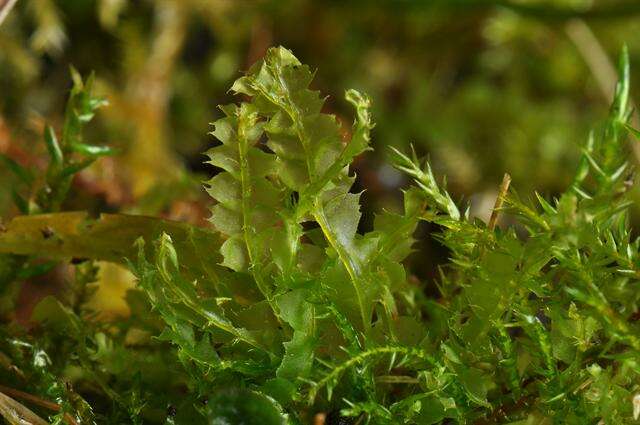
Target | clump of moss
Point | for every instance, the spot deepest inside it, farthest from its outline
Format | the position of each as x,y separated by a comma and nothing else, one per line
284,312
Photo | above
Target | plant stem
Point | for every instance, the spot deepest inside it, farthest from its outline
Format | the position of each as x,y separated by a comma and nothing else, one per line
546,12
601,67
11,392
11,409
338,370
37,401
5,9
504,187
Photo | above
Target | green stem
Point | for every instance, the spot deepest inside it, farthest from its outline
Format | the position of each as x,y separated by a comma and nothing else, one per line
247,227
361,357
309,199
351,266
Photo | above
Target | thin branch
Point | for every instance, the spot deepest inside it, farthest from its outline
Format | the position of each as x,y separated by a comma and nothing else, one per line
600,65
544,12
594,55
6,8
504,187
621,10
36,401
15,413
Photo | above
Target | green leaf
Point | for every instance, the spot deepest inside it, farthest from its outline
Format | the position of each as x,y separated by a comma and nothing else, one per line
75,167
298,357
55,153
110,238
299,352
21,203
52,312
476,383
425,180
92,149
178,298
24,174
243,407
235,255
281,390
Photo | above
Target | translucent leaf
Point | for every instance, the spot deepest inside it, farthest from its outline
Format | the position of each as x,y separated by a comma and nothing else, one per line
110,237
298,356
242,406
234,252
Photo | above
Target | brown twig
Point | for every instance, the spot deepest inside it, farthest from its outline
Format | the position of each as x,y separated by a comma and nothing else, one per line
5,8
504,187
12,392
15,413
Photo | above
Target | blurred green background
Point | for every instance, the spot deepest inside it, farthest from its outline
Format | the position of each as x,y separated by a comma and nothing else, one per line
481,87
